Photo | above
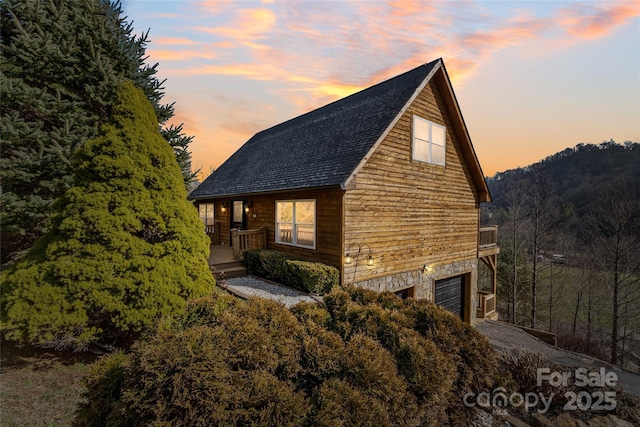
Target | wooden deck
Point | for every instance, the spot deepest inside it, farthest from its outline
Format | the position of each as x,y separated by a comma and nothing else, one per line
220,254
222,263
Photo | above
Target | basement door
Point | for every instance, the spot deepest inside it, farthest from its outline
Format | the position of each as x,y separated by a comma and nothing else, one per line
449,294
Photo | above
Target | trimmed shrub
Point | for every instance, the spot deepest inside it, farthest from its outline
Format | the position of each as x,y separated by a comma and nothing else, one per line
233,362
265,263
313,277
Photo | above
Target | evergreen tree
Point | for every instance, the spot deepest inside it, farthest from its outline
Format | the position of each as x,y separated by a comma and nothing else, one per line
60,65
125,245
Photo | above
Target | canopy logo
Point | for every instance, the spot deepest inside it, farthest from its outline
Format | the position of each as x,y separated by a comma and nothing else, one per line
598,400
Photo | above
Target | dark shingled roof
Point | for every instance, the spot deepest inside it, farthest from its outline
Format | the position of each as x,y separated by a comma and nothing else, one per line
321,148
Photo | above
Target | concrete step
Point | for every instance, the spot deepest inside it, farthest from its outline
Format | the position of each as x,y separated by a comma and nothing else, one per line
230,272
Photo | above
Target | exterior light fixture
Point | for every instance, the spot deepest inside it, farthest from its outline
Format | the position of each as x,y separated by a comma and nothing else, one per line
356,255
246,209
223,207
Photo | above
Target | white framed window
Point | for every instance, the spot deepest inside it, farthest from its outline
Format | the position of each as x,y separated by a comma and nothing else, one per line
429,141
296,223
205,210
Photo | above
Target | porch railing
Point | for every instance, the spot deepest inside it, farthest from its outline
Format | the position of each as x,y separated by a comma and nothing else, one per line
486,304
213,231
488,237
245,240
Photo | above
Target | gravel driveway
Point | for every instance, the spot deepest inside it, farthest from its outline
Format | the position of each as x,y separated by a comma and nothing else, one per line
248,286
504,336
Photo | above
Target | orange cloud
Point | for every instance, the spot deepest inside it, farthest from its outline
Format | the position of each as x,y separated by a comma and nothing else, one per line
597,22
312,53
249,24
409,7
178,55
175,41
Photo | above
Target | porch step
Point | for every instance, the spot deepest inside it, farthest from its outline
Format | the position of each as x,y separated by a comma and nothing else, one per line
228,265
230,269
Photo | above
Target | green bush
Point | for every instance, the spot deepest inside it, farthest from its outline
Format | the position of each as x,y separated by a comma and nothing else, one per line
313,277
125,245
363,359
265,263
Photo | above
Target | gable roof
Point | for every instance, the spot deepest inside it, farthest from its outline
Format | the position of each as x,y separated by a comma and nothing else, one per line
325,147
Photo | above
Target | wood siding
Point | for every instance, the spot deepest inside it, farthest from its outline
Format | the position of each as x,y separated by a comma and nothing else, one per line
262,214
413,213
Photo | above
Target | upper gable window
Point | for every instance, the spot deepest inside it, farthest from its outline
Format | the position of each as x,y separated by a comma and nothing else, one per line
429,141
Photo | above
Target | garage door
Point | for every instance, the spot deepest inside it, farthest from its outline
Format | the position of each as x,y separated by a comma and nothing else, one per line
450,294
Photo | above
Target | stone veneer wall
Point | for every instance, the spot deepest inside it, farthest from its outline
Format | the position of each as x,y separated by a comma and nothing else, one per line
423,282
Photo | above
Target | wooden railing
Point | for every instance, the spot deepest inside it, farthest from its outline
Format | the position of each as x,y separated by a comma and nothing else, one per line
486,304
245,240
488,237
213,231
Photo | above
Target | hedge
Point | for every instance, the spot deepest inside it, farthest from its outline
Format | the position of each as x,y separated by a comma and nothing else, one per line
307,276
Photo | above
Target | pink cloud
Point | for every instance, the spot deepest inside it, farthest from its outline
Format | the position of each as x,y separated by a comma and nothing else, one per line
247,24
179,55
590,22
312,53
175,41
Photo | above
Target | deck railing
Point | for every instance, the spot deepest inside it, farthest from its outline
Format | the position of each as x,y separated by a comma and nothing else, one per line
488,237
486,304
245,240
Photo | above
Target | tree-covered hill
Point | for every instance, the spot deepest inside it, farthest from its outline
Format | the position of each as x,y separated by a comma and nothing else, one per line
572,177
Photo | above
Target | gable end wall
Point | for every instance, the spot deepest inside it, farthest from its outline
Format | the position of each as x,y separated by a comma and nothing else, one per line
413,213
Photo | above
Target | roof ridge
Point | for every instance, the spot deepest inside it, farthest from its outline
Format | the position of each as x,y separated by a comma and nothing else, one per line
320,148
341,100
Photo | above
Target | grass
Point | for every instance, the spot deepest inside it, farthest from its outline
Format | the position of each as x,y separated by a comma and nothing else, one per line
40,387
567,281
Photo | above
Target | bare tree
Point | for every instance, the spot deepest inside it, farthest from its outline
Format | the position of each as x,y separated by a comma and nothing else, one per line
542,215
613,231
513,237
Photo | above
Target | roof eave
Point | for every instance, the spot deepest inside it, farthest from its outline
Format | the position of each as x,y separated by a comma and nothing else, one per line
267,193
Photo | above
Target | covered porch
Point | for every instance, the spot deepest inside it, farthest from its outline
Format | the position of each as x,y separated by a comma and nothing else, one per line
241,241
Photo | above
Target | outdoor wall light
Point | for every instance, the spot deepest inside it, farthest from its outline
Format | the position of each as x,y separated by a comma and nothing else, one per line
356,255
247,205
425,268
223,207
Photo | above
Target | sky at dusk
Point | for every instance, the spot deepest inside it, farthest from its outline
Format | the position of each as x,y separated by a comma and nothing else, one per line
531,78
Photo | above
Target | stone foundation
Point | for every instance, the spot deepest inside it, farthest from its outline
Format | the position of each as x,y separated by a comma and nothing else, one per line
423,282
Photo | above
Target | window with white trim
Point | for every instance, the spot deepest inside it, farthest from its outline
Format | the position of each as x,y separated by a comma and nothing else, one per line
296,223
205,210
429,141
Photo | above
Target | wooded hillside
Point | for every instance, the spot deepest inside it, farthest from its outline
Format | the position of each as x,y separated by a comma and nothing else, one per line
575,175
570,247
